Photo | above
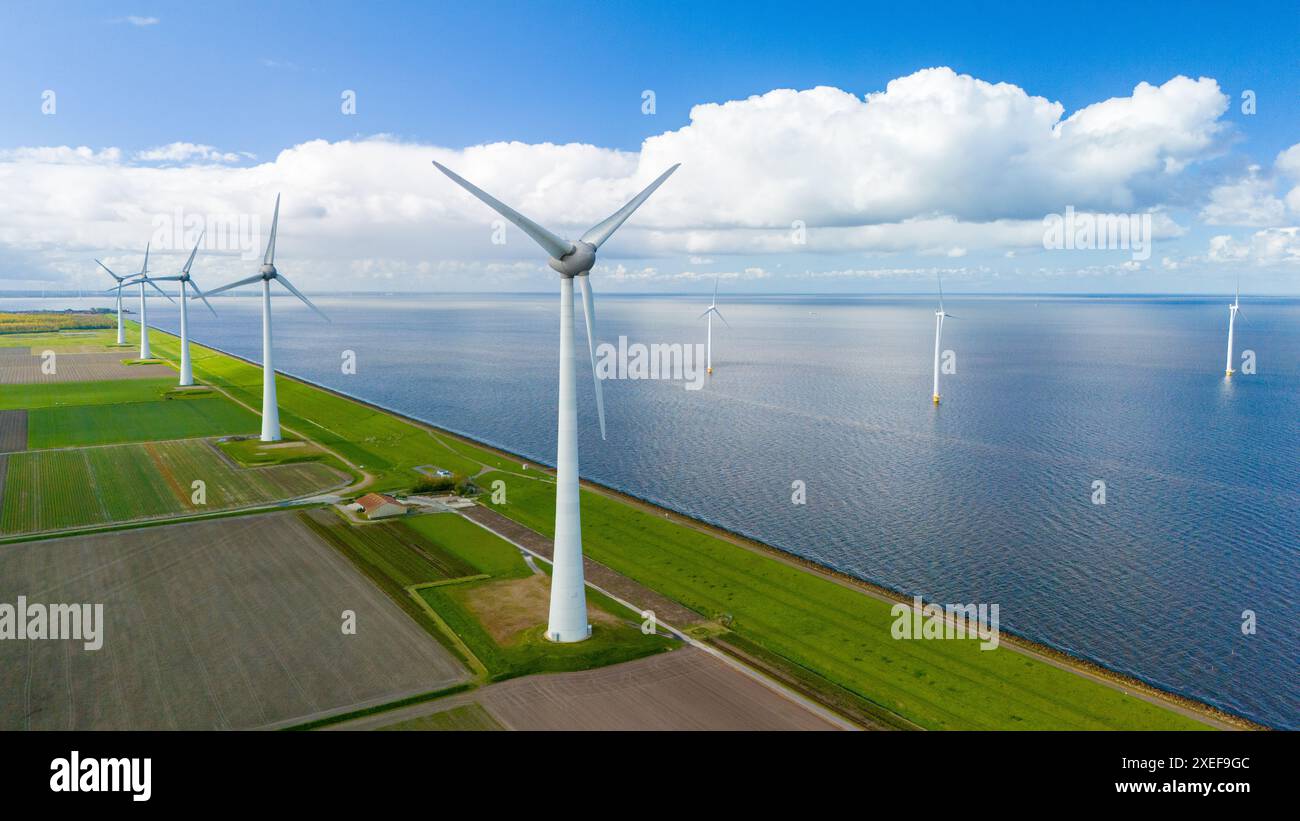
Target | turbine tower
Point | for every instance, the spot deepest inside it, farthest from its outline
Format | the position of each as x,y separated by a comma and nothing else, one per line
270,410
713,309
141,278
187,373
1232,319
121,331
567,621
938,334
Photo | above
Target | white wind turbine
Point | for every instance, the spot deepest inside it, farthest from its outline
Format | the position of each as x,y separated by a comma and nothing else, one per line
140,278
270,410
567,621
938,334
1232,319
121,331
713,309
187,373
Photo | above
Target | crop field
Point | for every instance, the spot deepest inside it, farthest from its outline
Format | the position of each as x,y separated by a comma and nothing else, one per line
465,717
60,394
41,321
393,548
76,367
62,489
227,624
80,425
13,430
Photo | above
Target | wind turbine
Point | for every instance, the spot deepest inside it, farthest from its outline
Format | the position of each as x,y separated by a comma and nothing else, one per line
140,278
187,374
938,334
567,621
270,410
713,309
121,331
1232,318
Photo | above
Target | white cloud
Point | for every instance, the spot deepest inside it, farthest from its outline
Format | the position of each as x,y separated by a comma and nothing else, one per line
137,20
188,153
936,163
1270,246
1248,201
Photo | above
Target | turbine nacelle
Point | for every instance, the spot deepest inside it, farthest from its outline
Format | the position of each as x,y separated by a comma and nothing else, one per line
268,271
577,262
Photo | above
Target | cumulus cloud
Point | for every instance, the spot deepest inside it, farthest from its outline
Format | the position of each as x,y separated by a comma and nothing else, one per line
936,163
1270,246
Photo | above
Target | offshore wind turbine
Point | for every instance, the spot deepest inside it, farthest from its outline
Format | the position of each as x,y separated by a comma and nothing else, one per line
121,331
268,272
187,373
938,334
713,309
1232,319
567,620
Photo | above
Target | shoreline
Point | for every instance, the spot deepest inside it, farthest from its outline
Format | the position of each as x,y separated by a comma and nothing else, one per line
1046,652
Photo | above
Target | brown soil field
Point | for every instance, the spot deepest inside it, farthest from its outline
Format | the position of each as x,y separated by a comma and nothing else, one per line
77,367
13,431
227,624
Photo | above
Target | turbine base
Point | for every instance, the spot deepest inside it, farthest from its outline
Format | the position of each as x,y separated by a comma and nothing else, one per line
559,637
1229,372
708,370
935,398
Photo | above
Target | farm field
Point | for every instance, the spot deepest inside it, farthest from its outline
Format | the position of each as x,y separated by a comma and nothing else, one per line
103,392
80,425
228,624
465,717
76,367
62,489
13,430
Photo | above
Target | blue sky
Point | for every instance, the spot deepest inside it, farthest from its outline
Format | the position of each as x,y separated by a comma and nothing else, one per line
254,81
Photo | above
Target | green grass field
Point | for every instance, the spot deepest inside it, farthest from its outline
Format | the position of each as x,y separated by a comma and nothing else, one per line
60,394
81,425
62,489
396,550
833,631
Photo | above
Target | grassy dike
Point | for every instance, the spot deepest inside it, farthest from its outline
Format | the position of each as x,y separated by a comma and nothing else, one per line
807,620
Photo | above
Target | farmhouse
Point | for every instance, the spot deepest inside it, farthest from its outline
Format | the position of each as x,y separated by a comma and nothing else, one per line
381,506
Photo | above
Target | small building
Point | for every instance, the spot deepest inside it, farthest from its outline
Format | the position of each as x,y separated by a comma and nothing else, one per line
381,506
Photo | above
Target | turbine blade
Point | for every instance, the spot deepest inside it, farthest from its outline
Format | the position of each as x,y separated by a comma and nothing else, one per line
589,309
110,272
199,295
602,231
723,318
186,269
550,243
238,284
159,290
707,311
269,257
940,275
715,290
145,269
286,283
175,278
